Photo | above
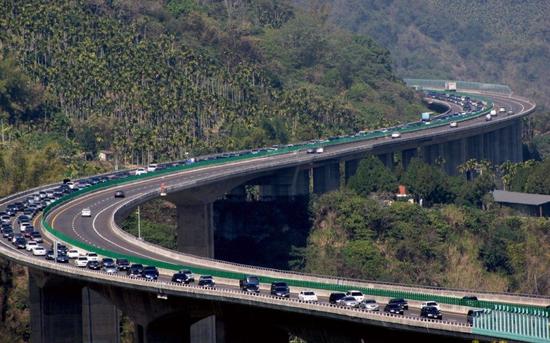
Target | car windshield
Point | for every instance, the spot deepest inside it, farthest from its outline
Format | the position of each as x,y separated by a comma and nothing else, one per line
309,293
431,303
370,301
206,277
253,280
356,293
280,289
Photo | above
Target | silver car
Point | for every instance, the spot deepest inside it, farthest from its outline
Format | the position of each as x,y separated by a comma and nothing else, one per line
348,301
369,305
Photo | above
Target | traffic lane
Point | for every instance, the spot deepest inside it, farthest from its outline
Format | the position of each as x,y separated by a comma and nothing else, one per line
92,237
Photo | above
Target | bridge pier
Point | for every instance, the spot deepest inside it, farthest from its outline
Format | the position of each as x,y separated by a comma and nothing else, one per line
387,159
407,155
62,310
195,229
326,178
350,168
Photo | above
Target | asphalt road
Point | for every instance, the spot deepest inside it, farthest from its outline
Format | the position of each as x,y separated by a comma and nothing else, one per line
98,231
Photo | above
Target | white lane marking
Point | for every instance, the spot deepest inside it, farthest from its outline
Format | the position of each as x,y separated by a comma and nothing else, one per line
107,240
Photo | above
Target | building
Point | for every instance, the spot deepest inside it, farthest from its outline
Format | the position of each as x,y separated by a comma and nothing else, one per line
537,205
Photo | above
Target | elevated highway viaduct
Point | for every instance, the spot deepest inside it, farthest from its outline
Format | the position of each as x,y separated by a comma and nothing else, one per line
71,305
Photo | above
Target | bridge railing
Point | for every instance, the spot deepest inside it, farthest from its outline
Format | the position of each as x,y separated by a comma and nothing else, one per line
461,85
515,326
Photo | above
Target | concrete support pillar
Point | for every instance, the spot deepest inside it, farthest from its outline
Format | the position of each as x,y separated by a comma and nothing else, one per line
167,330
195,229
350,168
387,160
454,155
56,310
407,155
326,178
517,142
101,319
208,330
289,182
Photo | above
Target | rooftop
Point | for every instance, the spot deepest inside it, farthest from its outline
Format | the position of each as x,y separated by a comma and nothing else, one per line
520,198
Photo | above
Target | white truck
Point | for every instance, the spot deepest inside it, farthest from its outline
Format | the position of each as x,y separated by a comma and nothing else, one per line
450,86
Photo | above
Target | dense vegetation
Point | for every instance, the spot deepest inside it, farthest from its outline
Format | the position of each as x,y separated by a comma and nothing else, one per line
452,243
157,79
488,41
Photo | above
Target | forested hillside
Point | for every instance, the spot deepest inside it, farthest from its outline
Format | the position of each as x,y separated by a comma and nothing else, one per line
489,41
152,80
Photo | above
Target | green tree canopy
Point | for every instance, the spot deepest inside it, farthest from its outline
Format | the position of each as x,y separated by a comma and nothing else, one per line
372,176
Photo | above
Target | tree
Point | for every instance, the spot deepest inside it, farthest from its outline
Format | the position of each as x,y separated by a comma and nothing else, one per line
427,182
362,259
372,176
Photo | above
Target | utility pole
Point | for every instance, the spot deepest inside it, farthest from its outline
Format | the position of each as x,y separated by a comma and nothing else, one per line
139,223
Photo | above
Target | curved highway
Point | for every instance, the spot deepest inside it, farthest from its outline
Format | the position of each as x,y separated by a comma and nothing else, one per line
101,231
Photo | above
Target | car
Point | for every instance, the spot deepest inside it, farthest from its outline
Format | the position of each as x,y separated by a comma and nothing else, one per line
62,248
470,298
94,265
206,281
62,258
401,302
39,251
395,135
310,151
140,171
431,304
348,301
358,295
92,256
369,305
473,313
393,308
150,273
25,226
20,243
50,255
122,264
488,117
6,233
86,212
108,262
37,237
190,275
307,296
181,278
110,269
73,253
334,297
280,289
31,245
152,167
250,283
119,194
431,312
5,219
135,270
453,124
81,261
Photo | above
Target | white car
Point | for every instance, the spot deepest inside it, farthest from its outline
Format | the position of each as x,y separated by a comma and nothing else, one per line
73,253
92,256
86,212
395,135
39,251
81,261
308,296
453,124
431,304
23,226
31,245
358,295
140,171
5,219
152,167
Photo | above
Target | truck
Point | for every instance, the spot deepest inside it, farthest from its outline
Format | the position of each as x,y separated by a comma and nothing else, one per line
426,116
250,283
450,86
